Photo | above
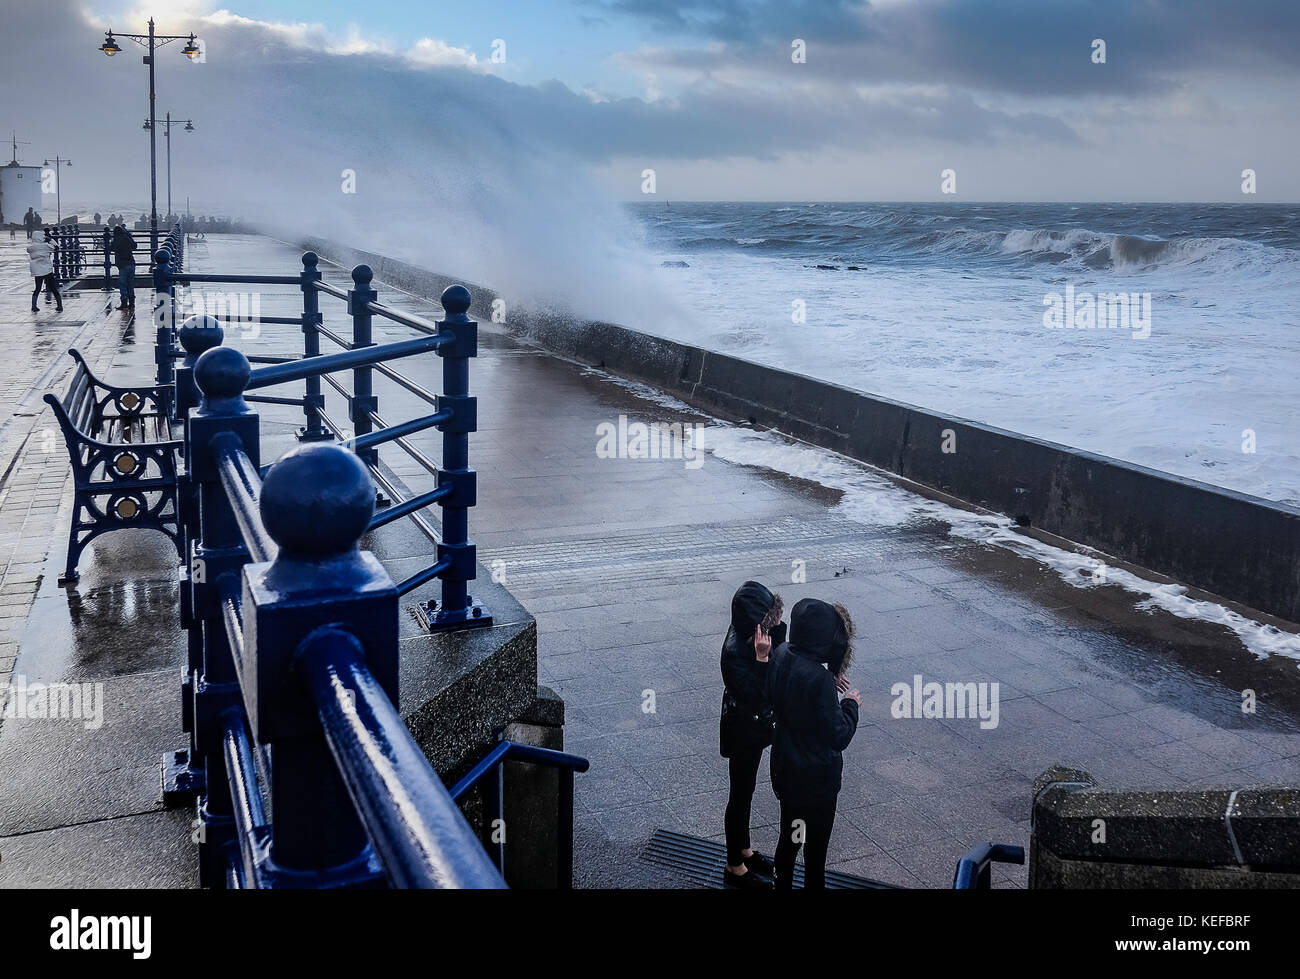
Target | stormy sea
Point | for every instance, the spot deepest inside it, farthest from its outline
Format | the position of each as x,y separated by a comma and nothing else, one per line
1161,334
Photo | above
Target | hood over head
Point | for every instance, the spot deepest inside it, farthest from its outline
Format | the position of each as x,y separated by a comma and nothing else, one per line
817,630
749,606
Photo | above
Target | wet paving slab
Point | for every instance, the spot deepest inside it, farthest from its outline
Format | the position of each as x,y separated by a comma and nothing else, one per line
628,566
79,792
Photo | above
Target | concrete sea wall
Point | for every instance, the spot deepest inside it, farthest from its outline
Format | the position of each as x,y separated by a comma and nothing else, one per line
1234,836
1240,547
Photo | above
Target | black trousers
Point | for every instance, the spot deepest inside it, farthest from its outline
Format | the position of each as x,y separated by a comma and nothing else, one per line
51,283
808,821
742,767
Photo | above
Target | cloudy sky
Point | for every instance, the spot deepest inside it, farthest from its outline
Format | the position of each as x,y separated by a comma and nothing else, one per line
483,133
1005,92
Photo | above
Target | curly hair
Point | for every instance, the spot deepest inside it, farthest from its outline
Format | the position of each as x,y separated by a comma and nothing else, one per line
848,629
773,616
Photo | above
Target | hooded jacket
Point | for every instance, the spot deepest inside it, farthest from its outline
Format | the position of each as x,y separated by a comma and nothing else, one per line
40,256
123,249
746,722
813,726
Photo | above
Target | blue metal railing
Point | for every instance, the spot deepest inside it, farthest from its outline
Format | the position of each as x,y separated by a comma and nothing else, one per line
291,686
413,824
488,775
299,653
973,869
454,339
78,250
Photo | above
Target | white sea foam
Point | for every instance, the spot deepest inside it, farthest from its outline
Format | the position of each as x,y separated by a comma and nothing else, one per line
948,315
874,500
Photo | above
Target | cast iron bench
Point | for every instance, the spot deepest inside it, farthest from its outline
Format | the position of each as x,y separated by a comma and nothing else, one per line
121,446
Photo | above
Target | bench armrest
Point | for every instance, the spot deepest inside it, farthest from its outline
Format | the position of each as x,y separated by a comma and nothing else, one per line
143,393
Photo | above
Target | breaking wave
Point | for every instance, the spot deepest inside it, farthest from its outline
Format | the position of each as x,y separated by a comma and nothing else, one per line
921,235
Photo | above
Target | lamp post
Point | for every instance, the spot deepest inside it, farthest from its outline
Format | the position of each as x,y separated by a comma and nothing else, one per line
151,41
168,123
58,185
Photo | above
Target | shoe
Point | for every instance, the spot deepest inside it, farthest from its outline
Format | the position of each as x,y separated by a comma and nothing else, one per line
745,882
759,864
59,309
35,310
122,307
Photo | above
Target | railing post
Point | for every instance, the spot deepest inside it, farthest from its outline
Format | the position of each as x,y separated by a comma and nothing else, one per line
108,260
197,335
458,608
493,828
313,400
363,398
316,504
221,375
564,834
164,315
183,770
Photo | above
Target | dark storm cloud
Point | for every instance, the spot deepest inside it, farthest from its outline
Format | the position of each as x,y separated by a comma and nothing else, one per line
1025,47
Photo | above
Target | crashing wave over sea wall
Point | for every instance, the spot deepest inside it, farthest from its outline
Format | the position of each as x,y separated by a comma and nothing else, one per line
1237,546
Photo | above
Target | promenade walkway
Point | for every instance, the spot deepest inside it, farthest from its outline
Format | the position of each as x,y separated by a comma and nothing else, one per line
628,566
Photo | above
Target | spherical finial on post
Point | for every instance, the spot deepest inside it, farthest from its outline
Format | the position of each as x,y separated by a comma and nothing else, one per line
362,275
163,256
199,334
455,300
317,501
222,374
310,260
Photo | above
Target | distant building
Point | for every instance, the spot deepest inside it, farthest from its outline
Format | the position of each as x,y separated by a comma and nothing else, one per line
20,188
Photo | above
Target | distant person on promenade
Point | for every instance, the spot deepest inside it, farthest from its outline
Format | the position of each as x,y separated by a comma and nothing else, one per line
745,728
97,221
813,726
124,259
40,254
29,221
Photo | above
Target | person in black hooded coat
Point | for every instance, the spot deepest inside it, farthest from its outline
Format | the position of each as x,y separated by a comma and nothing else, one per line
745,728
813,726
